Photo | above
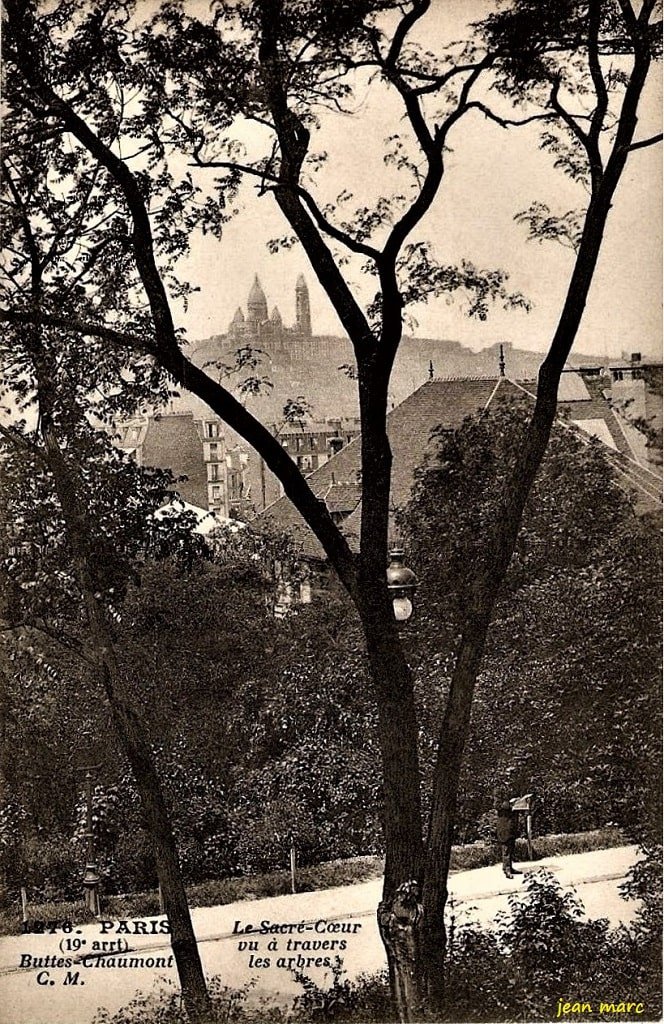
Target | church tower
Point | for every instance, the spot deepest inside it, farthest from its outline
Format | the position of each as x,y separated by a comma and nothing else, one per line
236,326
256,303
302,311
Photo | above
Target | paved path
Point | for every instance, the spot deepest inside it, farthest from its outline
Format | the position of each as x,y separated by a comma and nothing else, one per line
236,940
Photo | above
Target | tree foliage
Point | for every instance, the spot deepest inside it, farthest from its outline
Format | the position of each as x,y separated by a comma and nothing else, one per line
572,651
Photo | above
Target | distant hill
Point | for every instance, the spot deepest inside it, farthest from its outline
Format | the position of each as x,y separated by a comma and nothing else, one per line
314,371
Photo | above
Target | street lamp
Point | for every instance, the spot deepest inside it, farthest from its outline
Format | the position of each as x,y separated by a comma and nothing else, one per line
91,878
401,583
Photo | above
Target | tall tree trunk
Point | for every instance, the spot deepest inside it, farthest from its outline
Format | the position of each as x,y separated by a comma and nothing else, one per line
133,742
399,913
489,575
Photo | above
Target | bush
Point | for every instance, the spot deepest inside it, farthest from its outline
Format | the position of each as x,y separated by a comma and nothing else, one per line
543,952
227,1006
484,852
46,864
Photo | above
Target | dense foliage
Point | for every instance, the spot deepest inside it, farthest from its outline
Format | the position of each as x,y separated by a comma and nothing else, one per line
264,735
568,695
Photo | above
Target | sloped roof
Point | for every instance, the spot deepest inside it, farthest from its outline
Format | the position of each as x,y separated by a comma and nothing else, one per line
342,497
409,426
572,388
585,412
597,418
206,521
446,403
171,440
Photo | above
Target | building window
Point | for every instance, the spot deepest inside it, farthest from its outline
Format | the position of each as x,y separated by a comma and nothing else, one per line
312,442
235,485
213,452
215,492
305,461
211,429
214,471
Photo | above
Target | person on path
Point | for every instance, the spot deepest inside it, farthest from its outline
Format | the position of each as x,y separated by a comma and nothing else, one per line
507,829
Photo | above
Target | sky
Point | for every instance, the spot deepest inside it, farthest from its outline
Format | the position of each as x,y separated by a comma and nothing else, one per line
492,174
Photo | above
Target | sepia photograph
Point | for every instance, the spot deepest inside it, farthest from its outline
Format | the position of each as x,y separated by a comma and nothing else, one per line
331,511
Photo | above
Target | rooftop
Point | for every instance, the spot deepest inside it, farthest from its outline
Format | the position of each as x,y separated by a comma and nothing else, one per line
446,403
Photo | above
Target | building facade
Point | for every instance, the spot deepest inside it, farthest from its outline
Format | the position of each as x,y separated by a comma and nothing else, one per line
310,444
208,472
284,348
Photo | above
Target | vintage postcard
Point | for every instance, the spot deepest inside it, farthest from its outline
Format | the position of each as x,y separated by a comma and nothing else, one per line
331,480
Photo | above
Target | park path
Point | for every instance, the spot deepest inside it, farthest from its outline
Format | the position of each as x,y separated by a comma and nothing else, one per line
307,922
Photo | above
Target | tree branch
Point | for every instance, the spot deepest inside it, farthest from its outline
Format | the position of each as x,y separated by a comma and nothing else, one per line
21,442
165,347
293,137
587,140
601,92
435,82
189,376
506,122
321,220
33,249
642,143
125,339
418,10
68,643
565,114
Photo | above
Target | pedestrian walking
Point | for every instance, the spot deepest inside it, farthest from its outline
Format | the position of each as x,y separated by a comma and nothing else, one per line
507,829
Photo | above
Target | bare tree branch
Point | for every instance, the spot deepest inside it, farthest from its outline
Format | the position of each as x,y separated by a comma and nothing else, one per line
435,82
652,141
418,10
232,412
601,92
506,122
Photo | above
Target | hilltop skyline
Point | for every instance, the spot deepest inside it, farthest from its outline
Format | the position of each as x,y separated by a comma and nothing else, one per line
263,318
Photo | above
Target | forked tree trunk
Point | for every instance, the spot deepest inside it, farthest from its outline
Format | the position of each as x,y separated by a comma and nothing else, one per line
491,571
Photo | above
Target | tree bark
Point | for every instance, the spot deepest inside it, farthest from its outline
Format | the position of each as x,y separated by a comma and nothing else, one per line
399,913
133,742
492,567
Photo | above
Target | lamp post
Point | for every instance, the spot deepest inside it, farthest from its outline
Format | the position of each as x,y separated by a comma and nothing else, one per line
91,878
401,584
